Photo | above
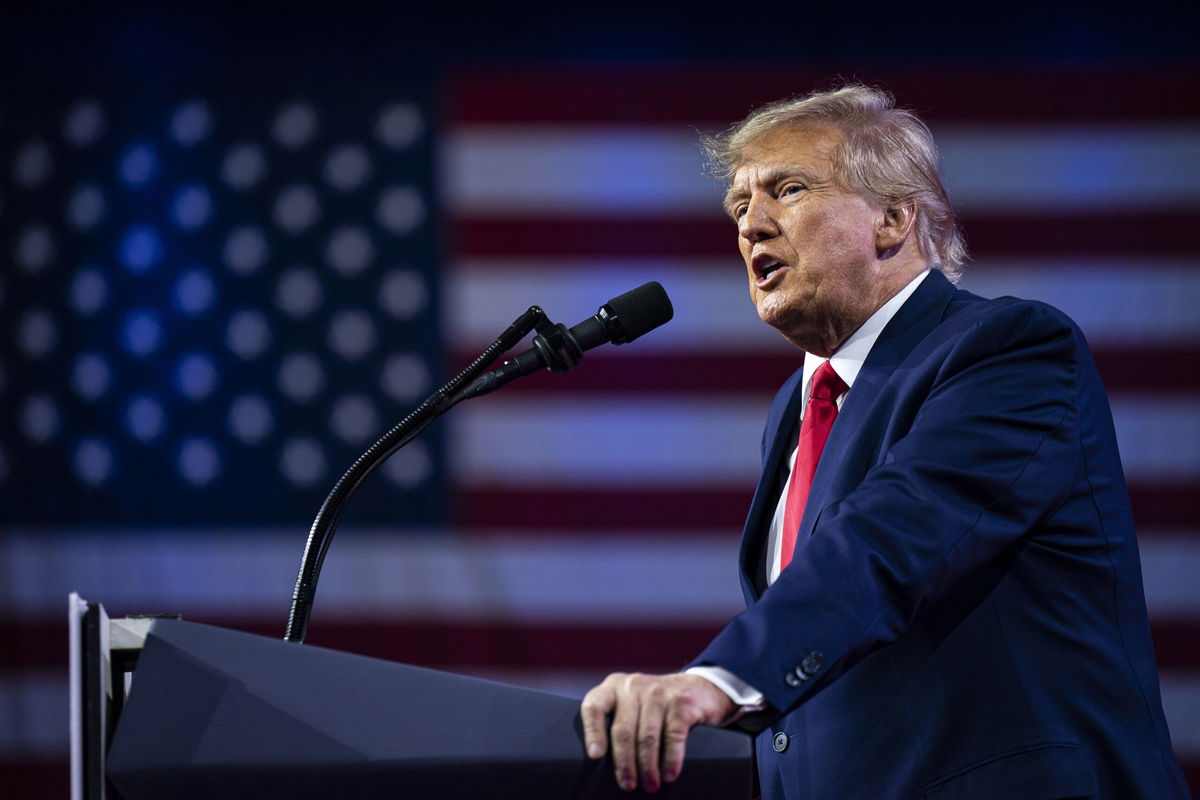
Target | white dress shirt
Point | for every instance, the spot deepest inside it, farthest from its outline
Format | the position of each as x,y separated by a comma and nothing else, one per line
846,362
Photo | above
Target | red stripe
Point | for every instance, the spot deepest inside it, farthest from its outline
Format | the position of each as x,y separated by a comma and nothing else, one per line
502,645
681,373
28,778
1154,233
1139,234
1167,368
596,235
659,509
1162,368
714,98
1176,644
667,510
1166,505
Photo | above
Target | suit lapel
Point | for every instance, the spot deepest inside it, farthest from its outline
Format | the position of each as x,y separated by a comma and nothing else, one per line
835,475
912,323
778,436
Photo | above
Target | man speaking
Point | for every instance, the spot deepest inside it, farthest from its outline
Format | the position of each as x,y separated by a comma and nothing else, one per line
943,590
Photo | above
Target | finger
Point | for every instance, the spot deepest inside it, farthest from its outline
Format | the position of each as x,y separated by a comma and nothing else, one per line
596,706
679,720
649,735
624,733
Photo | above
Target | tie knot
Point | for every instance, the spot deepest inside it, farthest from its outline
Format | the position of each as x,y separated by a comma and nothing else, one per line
826,383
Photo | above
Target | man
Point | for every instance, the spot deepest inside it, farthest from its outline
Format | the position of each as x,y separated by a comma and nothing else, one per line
943,593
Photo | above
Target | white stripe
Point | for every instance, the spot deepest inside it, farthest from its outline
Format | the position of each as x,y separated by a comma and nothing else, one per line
1170,564
1181,704
514,171
611,441
517,171
711,299
379,573
1159,436
1115,301
1070,168
668,441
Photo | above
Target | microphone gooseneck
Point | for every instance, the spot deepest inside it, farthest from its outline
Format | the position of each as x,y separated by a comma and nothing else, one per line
620,320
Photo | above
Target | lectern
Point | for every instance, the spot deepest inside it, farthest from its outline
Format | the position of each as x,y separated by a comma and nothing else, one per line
219,713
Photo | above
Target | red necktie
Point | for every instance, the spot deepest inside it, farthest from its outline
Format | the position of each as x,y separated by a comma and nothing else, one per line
819,415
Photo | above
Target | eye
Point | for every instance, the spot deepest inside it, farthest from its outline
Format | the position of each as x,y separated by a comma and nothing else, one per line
791,188
739,210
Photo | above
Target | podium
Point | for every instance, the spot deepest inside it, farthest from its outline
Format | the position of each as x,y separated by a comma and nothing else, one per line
219,713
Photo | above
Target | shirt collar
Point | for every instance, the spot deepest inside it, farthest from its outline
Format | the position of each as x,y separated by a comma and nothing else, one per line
849,358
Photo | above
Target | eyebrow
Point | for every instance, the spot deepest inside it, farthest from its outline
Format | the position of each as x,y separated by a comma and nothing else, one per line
769,178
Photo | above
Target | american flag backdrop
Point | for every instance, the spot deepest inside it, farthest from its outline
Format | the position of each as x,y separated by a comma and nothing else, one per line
214,300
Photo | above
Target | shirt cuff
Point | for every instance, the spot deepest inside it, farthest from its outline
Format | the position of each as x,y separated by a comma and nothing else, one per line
749,699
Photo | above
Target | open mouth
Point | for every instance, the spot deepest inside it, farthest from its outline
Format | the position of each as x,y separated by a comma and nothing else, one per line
765,266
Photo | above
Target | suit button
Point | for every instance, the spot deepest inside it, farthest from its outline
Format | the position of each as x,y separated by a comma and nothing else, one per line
780,742
792,680
812,662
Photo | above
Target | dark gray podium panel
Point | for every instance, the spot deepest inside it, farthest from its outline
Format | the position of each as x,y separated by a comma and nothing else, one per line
218,713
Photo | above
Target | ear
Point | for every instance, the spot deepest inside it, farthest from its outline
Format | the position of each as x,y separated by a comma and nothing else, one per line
895,225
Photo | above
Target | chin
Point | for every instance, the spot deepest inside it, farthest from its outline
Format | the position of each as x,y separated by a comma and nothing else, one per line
769,318
776,313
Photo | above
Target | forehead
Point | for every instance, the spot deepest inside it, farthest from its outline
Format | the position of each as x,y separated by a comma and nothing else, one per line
809,147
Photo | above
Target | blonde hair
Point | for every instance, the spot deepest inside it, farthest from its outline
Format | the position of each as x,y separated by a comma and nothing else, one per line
887,155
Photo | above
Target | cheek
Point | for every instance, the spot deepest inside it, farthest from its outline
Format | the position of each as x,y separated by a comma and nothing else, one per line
843,234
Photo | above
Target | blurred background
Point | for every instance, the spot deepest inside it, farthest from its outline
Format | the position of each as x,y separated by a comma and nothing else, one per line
237,245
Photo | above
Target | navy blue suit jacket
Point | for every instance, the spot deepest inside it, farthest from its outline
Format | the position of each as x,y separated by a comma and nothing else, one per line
964,615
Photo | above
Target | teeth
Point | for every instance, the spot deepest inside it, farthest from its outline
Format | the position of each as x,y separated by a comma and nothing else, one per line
770,267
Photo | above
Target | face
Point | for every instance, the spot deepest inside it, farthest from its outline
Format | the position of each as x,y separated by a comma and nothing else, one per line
810,247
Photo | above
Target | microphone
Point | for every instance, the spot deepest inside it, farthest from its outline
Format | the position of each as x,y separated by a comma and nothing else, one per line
620,320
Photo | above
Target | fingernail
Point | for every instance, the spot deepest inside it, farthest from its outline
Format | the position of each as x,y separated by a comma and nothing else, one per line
594,750
669,776
650,785
628,784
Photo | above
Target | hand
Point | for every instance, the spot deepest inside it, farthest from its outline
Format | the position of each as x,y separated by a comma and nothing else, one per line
652,715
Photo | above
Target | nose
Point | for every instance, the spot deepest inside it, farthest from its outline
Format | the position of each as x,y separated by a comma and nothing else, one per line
758,223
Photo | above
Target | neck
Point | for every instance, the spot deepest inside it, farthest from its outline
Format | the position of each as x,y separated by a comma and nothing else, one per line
890,283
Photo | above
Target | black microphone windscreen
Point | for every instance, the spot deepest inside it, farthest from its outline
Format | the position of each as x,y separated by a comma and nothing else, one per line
641,310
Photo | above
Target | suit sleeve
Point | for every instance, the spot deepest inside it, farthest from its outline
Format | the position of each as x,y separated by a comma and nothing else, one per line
989,446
